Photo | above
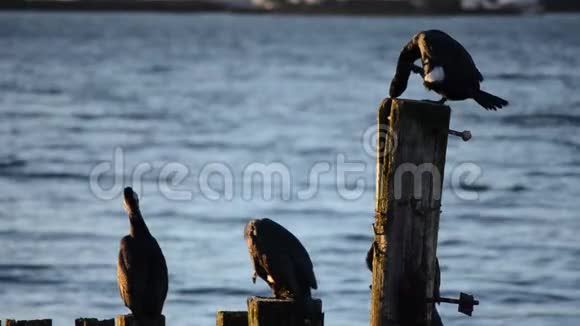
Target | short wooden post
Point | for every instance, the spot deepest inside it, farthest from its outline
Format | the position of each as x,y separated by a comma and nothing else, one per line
94,322
38,322
232,318
129,320
410,168
281,312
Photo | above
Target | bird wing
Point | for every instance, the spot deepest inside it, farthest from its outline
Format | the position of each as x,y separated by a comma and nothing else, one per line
439,49
304,266
291,247
131,274
281,269
157,280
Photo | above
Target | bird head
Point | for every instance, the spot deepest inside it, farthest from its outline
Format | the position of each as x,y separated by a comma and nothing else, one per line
398,85
250,231
130,201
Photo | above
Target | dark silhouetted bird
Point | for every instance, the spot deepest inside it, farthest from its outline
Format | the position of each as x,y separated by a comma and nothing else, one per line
141,267
448,69
280,259
435,318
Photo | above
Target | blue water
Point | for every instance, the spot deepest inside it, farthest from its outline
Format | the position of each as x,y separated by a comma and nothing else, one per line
225,92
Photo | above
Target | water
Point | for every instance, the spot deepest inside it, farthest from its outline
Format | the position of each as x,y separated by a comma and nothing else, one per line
236,90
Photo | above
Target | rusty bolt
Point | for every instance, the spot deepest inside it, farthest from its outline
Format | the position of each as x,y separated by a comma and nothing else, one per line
465,303
465,134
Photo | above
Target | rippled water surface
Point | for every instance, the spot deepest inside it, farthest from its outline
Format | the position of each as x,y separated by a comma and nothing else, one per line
235,90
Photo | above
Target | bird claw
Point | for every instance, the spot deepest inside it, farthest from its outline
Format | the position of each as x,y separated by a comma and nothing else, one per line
254,276
439,102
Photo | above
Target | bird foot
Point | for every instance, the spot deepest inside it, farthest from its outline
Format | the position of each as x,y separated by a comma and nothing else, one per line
439,102
254,277
417,70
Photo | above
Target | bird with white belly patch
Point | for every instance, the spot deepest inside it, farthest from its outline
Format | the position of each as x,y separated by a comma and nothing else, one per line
281,260
436,75
447,69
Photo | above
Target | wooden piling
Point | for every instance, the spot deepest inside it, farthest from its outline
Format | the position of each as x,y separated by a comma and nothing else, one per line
38,322
232,318
94,322
410,168
281,312
128,320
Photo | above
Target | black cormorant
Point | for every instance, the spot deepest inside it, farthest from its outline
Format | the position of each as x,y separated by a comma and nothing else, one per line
280,259
448,69
141,267
435,318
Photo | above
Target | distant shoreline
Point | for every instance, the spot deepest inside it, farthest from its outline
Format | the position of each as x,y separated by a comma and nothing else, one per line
355,7
111,5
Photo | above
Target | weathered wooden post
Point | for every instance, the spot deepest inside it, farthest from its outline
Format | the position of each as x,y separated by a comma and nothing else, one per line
280,312
128,320
38,322
94,322
410,168
232,318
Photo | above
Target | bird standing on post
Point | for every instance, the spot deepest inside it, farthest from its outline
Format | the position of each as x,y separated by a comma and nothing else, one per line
447,69
280,259
141,267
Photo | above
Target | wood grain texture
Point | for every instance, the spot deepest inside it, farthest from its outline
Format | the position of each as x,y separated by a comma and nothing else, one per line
232,318
282,312
94,322
129,320
408,198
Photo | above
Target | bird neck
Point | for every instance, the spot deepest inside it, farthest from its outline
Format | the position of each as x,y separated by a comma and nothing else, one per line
410,52
408,55
138,226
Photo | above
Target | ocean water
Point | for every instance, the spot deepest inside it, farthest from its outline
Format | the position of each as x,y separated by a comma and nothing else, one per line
185,107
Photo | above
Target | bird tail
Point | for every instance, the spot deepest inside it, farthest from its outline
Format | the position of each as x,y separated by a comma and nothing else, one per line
489,101
307,309
148,322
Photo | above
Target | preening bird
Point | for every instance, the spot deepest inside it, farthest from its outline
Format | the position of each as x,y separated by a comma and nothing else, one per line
447,69
141,267
280,259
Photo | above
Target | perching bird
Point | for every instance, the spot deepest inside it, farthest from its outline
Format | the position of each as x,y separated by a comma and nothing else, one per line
448,69
280,259
435,318
141,267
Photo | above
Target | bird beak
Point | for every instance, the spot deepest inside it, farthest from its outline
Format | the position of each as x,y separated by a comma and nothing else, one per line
130,201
